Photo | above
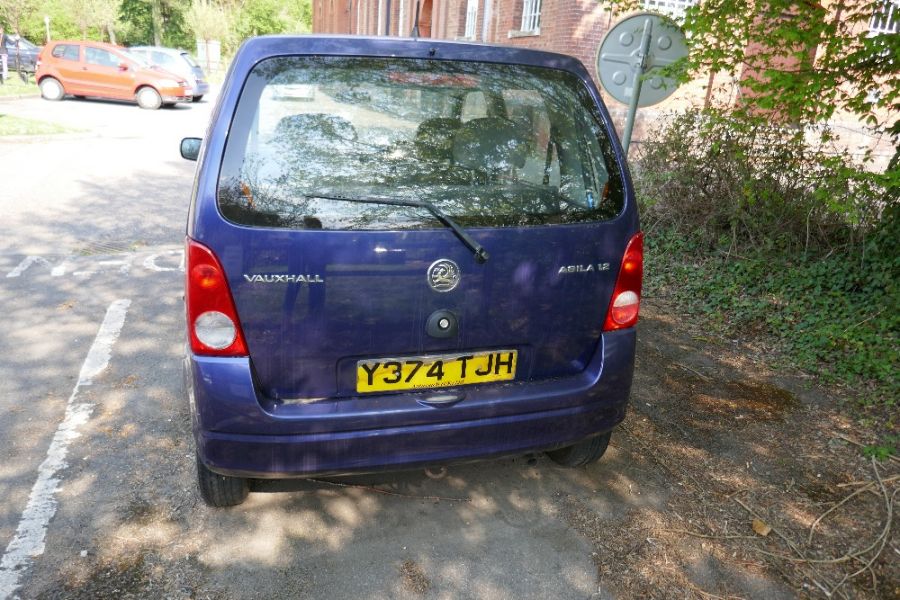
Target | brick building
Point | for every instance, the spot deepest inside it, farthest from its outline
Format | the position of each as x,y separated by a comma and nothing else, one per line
574,27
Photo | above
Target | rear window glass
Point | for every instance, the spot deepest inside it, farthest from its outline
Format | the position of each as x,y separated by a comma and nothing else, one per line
189,59
66,51
487,144
166,61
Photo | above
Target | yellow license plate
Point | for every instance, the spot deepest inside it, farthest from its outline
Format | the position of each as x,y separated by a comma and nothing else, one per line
391,374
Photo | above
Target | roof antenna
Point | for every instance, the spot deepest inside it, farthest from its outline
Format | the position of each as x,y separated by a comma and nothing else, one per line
415,30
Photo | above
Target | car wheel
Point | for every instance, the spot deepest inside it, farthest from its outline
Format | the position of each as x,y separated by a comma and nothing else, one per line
197,98
219,490
583,453
148,98
51,89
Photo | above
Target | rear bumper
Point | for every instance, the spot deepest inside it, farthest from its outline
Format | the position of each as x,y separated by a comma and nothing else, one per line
240,433
170,98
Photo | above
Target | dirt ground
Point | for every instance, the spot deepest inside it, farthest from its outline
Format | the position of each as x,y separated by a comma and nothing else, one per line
767,478
726,480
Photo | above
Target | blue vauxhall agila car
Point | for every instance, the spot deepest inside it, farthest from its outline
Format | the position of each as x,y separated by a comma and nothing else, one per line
404,252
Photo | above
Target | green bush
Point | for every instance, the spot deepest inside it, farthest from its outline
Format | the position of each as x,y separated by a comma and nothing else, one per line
744,183
763,234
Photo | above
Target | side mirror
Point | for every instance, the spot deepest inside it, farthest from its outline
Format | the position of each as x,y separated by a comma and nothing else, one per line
190,148
123,66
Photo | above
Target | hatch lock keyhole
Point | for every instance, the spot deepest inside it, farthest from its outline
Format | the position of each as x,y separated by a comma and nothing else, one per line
442,324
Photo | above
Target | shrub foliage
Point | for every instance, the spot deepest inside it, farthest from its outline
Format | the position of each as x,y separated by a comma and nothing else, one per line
772,232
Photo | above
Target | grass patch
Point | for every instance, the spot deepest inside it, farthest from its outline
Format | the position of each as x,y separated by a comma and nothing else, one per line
10,125
834,316
16,87
779,236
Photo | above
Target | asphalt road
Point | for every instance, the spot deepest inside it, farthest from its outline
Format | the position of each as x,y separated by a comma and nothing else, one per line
96,456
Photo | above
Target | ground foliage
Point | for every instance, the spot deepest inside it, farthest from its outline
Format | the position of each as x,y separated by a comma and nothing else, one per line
771,233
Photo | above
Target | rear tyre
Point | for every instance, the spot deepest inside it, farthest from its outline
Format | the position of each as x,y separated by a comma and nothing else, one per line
220,491
51,89
583,453
197,98
148,98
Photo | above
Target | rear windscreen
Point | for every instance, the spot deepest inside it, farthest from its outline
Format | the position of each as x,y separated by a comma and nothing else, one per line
487,144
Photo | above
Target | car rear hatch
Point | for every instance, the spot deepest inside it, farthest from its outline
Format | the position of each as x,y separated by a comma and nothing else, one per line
196,71
336,242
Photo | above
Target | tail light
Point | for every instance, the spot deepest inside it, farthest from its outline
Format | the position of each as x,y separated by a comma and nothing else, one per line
213,325
626,298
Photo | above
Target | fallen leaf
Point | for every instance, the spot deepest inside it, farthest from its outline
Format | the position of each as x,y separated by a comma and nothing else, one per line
761,527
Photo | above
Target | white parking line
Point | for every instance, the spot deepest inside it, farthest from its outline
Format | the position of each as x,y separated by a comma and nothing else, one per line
81,267
59,270
32,530
150,261
26,262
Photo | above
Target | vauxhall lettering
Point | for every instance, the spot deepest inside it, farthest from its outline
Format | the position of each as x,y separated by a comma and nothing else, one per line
284,278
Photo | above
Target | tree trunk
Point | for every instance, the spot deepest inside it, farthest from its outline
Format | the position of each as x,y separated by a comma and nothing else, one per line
112,34
156,17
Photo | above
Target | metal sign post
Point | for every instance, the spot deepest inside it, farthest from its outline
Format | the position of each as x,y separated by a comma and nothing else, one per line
642,44
638,70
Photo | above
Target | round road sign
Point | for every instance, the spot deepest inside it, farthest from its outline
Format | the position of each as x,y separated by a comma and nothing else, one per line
620,58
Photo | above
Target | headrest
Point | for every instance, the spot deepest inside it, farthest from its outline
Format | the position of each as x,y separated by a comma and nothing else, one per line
491,144
434,138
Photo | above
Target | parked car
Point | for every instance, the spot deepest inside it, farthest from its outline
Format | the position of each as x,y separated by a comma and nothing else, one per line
467,287
179,62
82,68
26,51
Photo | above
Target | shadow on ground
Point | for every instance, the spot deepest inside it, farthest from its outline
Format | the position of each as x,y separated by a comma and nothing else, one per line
714,440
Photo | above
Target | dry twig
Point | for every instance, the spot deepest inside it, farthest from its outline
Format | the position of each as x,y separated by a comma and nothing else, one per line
694,371
882,539
860,556
705,536
818,520
860,445
792,546
870,482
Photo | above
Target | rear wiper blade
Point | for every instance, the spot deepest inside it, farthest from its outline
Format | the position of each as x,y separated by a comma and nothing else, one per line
481,255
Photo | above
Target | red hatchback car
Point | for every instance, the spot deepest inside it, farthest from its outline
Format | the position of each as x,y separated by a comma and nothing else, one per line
82,68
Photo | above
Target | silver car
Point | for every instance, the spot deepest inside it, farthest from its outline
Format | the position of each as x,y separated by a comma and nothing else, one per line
179,62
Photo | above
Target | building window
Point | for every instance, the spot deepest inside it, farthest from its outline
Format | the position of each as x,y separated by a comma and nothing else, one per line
471,19
531,15
672,8
886,18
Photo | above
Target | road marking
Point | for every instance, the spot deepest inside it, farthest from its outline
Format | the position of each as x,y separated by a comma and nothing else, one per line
124,267
59,270
81,267
150,261
32,530
26,262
